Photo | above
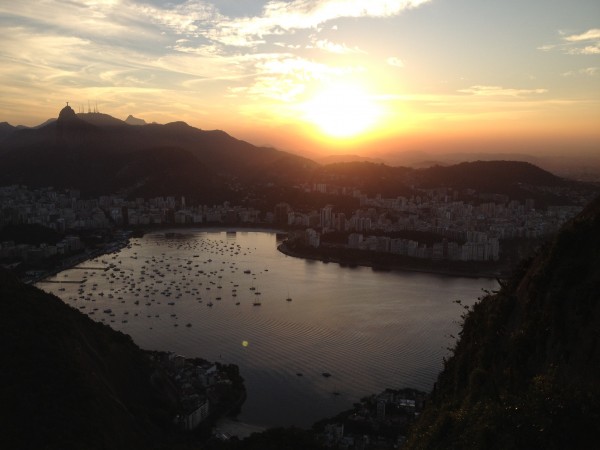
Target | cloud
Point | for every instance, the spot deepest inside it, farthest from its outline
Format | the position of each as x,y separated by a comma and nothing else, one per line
284,77
102,20
198,18
162,53
395,61
593,34
188,18
498,91
340,49
588,71
592,40
547,47
206,33
587,50
586,43
311,13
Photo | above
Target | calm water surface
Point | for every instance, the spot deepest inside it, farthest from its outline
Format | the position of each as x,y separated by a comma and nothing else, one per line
369,330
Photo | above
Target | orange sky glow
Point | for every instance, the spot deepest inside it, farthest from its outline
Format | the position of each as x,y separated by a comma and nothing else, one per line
317,76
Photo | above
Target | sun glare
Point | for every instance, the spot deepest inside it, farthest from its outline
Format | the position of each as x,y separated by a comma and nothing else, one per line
343,111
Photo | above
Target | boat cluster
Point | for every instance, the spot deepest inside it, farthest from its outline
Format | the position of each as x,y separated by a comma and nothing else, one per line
131,283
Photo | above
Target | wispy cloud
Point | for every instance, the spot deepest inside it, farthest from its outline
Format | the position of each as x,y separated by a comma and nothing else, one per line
188,18
590,35
588,72
285,77
546,47
340,49
102,20
586,43
120,43
303,14
590,38
587,50
499,91
198,18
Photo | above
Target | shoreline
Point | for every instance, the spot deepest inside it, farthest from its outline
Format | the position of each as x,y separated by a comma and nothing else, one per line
492,273
211,229
393,266
75,260
366,260
124,241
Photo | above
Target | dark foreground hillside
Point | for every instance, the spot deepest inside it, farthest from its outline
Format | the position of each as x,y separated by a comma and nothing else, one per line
67,382
525,372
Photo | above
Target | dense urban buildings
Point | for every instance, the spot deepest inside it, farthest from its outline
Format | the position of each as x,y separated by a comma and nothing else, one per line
465,231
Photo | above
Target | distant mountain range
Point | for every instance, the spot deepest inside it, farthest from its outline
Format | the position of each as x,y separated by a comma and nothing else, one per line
100,154
517,180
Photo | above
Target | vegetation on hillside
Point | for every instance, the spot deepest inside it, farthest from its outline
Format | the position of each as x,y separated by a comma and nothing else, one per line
524,373
68,382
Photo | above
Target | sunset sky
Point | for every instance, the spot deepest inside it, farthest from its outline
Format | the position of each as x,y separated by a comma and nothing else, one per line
335,75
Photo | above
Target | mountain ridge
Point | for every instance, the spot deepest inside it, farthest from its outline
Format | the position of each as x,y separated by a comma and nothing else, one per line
130,120
84,151
92,151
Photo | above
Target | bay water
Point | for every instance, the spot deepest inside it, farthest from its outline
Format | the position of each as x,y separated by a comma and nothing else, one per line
310,338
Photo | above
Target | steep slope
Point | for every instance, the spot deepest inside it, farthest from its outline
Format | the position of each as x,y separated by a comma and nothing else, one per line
525,371
165,171
6,129
68,382
228,155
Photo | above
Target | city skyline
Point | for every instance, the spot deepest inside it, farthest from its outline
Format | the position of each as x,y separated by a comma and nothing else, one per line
307,76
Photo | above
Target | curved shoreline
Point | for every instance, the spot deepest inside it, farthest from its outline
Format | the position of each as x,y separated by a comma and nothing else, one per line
404,266
118,244
367,259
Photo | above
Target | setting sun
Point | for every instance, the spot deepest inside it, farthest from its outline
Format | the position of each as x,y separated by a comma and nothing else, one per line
342,111
372,78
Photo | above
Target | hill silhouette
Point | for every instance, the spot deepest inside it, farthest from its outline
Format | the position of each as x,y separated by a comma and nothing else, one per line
99,154
6,129
508,177
68,382
134,120
518,180
88,151
525,371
